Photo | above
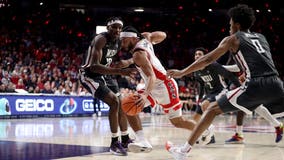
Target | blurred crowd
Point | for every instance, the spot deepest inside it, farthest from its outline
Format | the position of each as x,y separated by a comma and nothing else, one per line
42,50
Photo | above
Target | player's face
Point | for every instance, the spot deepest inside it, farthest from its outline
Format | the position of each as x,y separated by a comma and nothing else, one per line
115,30
126,44
198,54
233,27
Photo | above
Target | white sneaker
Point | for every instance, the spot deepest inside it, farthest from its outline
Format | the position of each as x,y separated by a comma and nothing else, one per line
175,151
140,146
206,135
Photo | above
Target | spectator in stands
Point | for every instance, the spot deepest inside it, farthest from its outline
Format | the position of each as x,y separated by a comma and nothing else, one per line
47,89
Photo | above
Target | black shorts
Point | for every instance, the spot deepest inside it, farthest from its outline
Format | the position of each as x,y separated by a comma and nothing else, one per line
212,96
268,91
99,86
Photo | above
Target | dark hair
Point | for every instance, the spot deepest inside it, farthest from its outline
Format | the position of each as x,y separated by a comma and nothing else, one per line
243,15
132,29
201,49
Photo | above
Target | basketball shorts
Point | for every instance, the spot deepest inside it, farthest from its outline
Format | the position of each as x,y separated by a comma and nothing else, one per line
268,91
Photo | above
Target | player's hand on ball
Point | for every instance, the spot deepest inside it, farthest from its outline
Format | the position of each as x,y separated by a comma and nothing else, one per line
142,98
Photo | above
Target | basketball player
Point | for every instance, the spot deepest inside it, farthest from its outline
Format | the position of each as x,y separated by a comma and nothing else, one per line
238,137
95,75
252,54
212,84
156,82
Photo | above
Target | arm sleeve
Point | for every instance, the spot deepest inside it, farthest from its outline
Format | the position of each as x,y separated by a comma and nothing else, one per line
232,68
226,74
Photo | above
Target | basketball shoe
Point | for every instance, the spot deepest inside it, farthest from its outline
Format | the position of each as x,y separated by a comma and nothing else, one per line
236,139
279,133
125,144
117,149
207,136
176,151
140,146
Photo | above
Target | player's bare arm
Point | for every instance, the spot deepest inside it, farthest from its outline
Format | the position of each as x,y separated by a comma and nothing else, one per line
205,60
141,60
123,63
97,67
155,37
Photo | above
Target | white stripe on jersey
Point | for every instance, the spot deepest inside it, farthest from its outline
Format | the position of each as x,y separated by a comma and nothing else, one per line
241,60
93,86
88,58
159,70
233,95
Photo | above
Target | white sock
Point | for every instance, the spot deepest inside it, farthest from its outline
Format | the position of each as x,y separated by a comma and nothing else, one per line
263,112
186,147
239,130
140,135
207,131
114,134
123,133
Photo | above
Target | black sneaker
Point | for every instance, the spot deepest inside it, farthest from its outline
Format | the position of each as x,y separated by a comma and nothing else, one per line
125,144
212,140
117,149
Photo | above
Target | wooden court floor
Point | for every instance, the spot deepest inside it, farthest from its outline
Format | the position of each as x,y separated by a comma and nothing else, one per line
88,138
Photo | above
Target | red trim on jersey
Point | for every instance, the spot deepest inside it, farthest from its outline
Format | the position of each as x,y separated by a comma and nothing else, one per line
169,83
150,98
159,74
175,108
172,93
241,62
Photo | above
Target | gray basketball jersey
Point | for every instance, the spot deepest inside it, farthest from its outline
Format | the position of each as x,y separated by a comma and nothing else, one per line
254,56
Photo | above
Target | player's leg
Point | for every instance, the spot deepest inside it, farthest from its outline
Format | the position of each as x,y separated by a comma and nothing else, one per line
122,119
263,112
238,138
107,96
207,119
140,144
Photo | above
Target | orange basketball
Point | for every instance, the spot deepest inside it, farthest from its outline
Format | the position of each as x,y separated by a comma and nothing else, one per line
128,105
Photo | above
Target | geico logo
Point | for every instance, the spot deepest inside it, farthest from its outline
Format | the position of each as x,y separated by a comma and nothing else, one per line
88,105
34,105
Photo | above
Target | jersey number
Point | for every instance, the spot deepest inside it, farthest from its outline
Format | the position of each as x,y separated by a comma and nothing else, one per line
257,45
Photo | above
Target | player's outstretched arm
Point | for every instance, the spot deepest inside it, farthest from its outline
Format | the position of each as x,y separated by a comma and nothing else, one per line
155,37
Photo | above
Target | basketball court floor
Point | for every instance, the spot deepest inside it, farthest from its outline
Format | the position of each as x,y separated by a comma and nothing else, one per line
88,138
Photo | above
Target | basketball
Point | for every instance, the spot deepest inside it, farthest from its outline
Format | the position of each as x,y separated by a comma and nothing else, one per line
128,105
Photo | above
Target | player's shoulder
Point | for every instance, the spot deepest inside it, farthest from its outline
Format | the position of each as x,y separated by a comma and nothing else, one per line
215,64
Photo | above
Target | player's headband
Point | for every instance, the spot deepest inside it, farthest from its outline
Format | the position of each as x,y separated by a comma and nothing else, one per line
128,34
117,21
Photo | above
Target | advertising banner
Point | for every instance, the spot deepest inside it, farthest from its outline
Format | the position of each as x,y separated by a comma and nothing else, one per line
35,105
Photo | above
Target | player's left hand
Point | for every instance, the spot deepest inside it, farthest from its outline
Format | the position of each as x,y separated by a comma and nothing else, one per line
141,100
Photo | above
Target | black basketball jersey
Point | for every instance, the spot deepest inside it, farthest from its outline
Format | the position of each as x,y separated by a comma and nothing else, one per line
254,56
212,79
109,51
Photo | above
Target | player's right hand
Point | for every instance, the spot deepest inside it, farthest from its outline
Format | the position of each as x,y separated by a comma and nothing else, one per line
131,72
174,73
